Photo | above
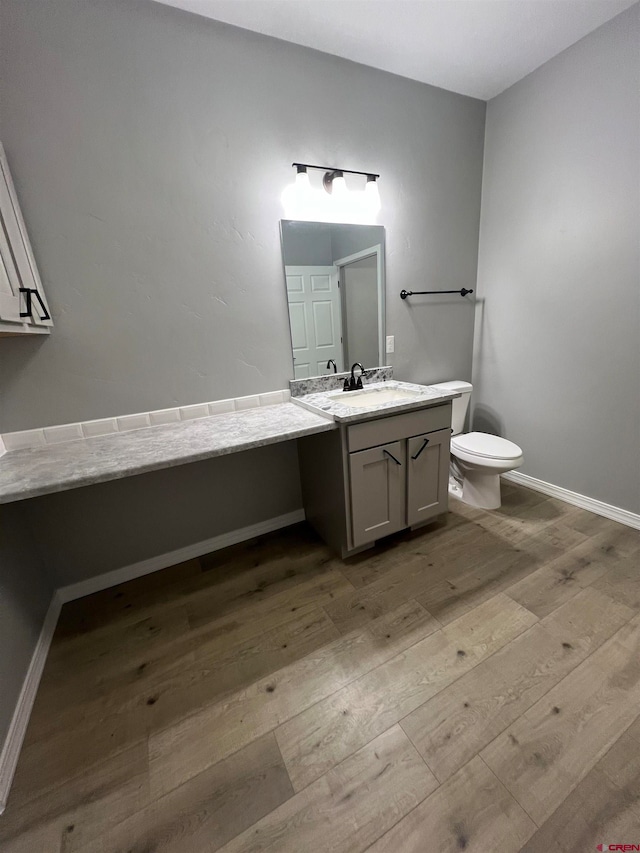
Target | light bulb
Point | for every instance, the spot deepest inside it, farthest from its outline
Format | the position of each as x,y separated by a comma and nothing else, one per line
289,201
372,196
302,183
339,187
294,196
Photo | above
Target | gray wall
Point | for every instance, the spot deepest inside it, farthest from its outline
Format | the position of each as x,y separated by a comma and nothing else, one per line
99,528
322,243
557,361
150,148
25,595
307,244
348,239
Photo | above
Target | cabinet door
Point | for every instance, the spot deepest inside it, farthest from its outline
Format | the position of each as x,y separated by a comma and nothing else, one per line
378,478
17,265
427,475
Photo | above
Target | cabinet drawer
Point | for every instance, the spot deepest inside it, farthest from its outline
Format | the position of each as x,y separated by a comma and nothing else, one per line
396,427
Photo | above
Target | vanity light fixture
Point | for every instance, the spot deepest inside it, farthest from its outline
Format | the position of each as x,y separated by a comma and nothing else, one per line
340,202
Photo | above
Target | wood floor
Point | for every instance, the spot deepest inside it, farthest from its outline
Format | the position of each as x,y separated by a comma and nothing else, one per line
472,686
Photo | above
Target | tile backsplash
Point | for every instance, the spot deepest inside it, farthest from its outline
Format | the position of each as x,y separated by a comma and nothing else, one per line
335,381
141,420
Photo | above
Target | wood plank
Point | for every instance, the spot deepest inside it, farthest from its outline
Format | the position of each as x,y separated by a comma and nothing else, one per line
76,807
539,757
185,749
230,580
107,648
45,763
408,623
86,614
460,592
563,577
458,722
605,806
236,626
326,733
224,669
556,535
322,589
588,522
522,517
617,542
160,696
238,595
372,565
103,665
43,837
471,812
206,812
349,807
447,583
622,582
359,607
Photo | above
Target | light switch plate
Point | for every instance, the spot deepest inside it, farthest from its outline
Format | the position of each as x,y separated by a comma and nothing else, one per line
390,343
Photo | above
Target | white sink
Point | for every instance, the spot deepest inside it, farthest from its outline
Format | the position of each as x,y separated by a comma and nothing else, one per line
362,399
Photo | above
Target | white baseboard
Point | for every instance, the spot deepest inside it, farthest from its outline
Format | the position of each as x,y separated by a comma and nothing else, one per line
17,729
615,513
164,561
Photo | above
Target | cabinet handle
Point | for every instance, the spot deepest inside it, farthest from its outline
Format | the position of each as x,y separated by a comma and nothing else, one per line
28,292
392,457
424,444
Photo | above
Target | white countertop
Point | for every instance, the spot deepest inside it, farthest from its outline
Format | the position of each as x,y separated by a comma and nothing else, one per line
335,404
39,471
36,471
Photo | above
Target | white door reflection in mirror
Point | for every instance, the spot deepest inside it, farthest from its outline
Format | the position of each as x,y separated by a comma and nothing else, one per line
314,313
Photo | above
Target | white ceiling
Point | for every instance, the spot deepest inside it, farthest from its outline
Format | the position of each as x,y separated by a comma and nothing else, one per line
475,47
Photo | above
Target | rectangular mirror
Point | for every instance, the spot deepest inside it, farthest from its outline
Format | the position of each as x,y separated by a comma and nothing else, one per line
334,275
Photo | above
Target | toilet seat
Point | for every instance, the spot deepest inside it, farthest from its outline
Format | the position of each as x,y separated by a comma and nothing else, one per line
484,446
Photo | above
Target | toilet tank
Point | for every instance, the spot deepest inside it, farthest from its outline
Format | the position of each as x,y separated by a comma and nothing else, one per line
460,404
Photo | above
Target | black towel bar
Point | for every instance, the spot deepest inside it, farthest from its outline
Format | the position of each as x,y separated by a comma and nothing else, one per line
405,293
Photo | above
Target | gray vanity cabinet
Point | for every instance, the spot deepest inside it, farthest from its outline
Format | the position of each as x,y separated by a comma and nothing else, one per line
367,480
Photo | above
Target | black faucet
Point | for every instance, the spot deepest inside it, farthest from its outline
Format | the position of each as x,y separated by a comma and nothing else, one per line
335,366
354,384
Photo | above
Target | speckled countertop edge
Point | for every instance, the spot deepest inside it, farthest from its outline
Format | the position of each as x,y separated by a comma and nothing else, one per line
330,407
38,471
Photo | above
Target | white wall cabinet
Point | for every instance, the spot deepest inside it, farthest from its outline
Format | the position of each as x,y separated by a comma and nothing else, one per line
367,480
23,304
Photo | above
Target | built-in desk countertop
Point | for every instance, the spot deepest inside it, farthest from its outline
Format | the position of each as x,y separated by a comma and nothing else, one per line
40,471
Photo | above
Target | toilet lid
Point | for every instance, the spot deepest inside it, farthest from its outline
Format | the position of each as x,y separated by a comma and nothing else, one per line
483,444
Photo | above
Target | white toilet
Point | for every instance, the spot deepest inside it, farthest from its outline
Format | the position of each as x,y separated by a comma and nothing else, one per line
477,458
